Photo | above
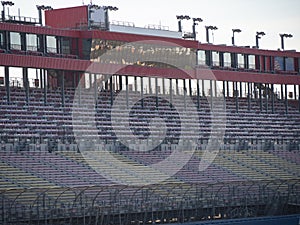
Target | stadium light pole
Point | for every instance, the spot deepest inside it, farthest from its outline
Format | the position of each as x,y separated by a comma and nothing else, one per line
40,8
235,31
282,36
258,36
207,31
195,20
180,18
4,3
106,9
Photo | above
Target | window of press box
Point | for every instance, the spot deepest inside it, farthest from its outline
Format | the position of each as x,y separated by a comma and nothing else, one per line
66,48
216,58
201,57
227,59
241,60
279,63
251,60
2,40
289,64
51,44
15,40
31,42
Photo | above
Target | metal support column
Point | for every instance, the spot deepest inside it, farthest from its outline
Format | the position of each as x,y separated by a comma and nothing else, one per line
45,86
7,87
299,97
26,84
95,90
211,94
62,88
286,100
198,94
260,98
272,97
150,86
142,92
163,86
156,91
171,94
120,82
236,95
127,91
111,90
249,96
190,87
177,87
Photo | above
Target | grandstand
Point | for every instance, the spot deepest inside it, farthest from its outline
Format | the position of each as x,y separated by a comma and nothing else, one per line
108,127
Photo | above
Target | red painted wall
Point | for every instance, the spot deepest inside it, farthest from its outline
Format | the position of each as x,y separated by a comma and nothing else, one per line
67,17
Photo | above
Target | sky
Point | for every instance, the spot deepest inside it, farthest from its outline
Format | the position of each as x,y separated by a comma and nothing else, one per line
271,16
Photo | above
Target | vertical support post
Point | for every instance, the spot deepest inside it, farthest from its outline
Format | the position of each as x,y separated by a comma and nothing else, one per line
171,94
127,91
227,88
177,87
156,91
45,87
286,100
249,96
163,86
120,82
41,78
190,87
241,89
236,94
224,94
95,90
142,92
7,87
79,87
184,93
260,97
211,94
267,97
135,84
299,97
198,94
272,97
62,88
26,84
111,90
150,86
90,80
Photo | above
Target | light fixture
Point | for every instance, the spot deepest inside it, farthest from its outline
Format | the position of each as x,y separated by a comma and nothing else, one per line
282,36
40,8
195,20
180,18
207,31
235,31
259,34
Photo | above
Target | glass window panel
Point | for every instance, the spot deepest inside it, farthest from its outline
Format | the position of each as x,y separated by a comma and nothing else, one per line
31,42
278,63
15,40
251,59
201,57
216,58
51,44
227,59
241,61
290,64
